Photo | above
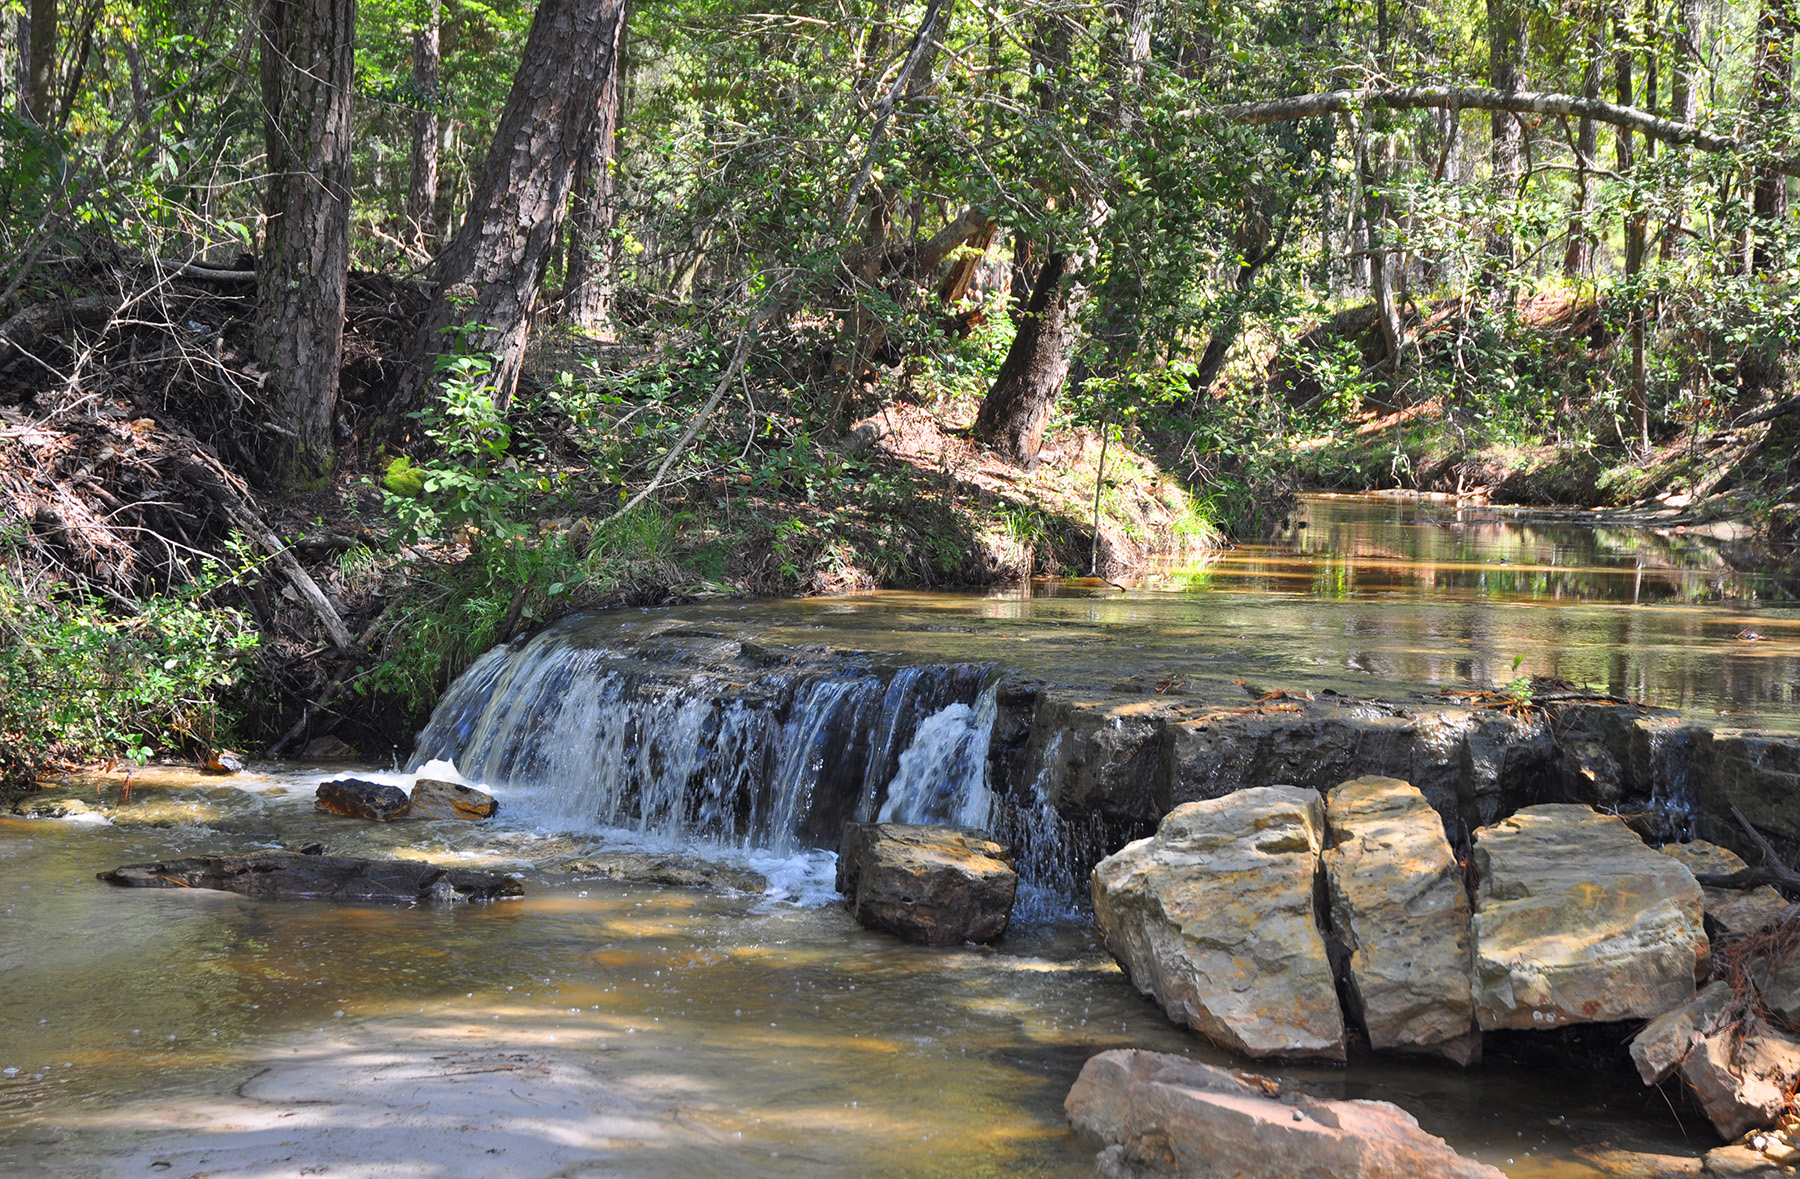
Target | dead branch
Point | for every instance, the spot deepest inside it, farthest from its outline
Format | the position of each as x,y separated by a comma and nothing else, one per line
1772,871
24,330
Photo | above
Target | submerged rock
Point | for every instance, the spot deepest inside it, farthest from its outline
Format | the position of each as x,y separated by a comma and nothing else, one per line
680,872
936,885
1152,1114
50,806
1578,921
285,875
1732,910
432,799
1398,908
354,798
1213,915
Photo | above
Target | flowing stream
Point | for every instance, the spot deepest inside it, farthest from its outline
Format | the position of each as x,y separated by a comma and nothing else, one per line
599,1027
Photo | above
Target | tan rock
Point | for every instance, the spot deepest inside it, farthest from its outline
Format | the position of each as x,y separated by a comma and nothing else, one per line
432,799
1213,916
936,885
1660,1047
1733,910
1399,909
1739,1162
1743,1082
1780,988
1152,1114
1577,921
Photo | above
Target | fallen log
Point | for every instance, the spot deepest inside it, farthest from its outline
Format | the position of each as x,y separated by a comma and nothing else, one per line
286,875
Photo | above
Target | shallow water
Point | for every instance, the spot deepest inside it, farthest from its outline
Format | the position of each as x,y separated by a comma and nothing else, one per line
747,1035
662,1032
1360,594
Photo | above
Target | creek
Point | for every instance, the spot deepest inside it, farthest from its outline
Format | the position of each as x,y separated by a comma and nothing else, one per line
604,1027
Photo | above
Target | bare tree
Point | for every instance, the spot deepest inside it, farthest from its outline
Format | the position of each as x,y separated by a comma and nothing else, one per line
490,273
421,189
1773,85
40,69
307,84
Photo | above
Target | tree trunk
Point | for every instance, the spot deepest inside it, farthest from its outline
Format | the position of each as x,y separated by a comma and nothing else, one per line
490,272
1016,410
1506,73
1578,257
307,82
588,285
40,100
1637,395
1773,83
421,188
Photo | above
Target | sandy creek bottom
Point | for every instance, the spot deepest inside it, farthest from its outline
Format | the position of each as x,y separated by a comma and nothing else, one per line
596,1028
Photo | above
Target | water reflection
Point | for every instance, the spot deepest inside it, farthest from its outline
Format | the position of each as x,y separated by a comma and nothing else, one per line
1371,596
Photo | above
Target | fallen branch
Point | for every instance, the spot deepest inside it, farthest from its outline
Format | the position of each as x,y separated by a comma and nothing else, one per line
1475,98
24,330
197,472
1766,413
1772,871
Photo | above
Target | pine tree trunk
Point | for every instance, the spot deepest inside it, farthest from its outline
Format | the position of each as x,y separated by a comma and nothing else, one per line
490,272
1016,410
421,189
40,95
1506,71
1636,392
588,289
307,83
1773,84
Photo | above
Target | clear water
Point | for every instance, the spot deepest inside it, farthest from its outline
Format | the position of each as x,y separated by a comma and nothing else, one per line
603,1028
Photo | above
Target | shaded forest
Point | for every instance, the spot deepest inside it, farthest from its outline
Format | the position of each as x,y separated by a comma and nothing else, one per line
339,341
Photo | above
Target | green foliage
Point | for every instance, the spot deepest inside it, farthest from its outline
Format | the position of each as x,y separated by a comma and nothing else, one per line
78,683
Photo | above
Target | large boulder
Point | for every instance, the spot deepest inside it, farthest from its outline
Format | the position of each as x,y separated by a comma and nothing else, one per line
353,798
434,799
1213,915
1730,910
1152,1114
285,875
936,885
1399,909
1742,1076
1578,921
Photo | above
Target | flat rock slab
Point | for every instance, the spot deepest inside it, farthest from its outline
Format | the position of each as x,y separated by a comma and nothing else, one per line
936,885
1663,1043
675,871
354,798
1152,1114
1398,907
433,799
283,875
1578,921
1732,910
1213,915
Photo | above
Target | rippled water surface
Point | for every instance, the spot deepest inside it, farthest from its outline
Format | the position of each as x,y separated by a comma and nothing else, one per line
597,1028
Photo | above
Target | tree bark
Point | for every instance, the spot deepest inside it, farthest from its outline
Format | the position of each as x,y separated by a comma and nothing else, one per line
1578,257
40,98
490,272
1636,394
1016,410
1773,84
1506,73
421,189
588,286
307,82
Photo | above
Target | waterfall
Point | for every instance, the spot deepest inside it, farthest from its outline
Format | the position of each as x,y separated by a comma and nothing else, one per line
683,734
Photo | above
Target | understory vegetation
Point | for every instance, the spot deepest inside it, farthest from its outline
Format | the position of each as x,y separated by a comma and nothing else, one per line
339,342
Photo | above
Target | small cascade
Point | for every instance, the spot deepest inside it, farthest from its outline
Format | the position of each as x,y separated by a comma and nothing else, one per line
684,734
942,775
